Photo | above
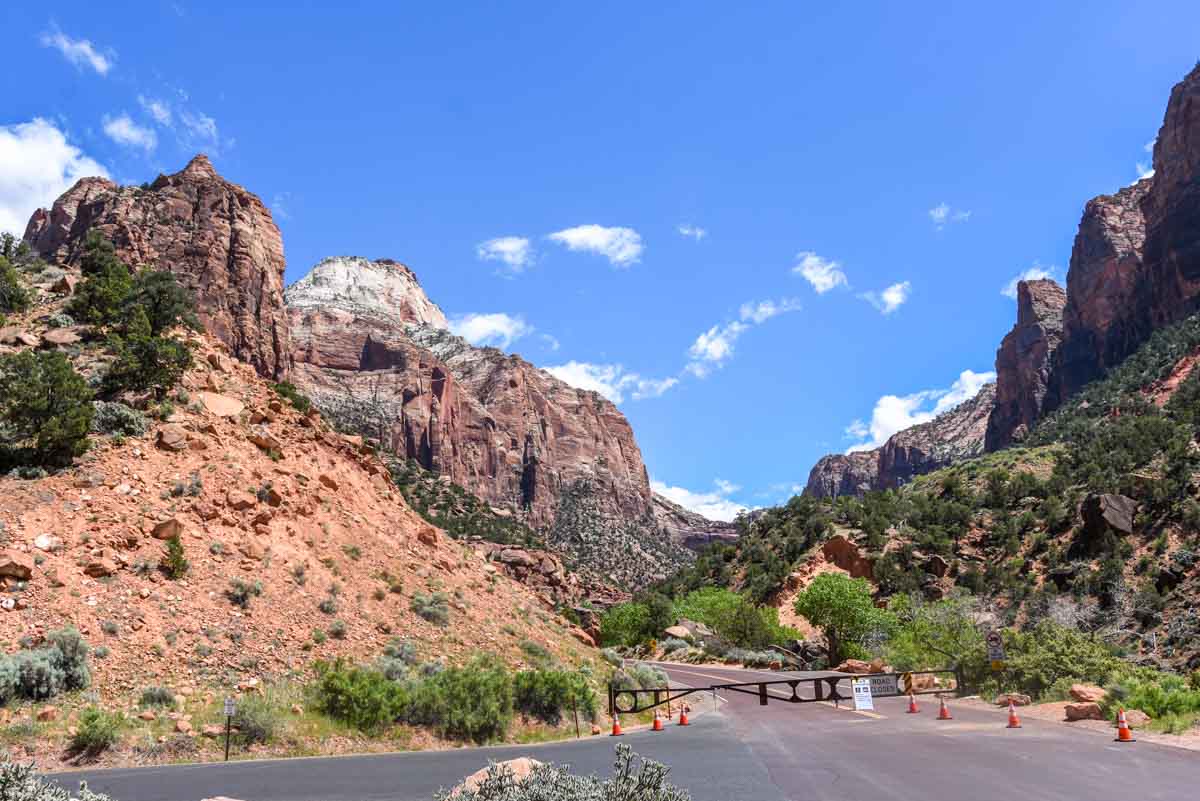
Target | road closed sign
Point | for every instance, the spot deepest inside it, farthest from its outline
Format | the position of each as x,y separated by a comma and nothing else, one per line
862,695
884,686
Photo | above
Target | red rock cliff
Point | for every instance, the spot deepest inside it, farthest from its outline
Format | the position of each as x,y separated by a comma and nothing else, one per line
1024,360
218,239
1135,265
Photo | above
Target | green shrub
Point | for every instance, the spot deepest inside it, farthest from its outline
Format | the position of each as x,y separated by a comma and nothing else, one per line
163,300
360,697
256,720
46,408
14,296
241,591
96,732
157,696
37,674
176,564
547,694
337,629
1159,695
328,606
735,618
319,636
117,418
145,361
548,782
474,702
22,783
293,396
673,644
434,607
104,292
536,651
1048,652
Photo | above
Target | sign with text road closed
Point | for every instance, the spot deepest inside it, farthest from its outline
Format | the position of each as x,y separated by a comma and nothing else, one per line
862,694
884,686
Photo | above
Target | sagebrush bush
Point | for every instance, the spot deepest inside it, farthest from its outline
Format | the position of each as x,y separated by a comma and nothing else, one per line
673,644
256,720
548,782
96,732
241,591
60,665
157,696
473,702
117,418
22,783
536,651
435,607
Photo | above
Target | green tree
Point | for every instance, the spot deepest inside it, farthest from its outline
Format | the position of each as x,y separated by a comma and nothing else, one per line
937,634
164,301
45,408
14,297
625,624
842,608
102,296
145,361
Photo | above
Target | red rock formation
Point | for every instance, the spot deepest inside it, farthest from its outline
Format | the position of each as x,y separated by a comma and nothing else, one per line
1024,360
509,432
950,437
218,239
693,531
1135,266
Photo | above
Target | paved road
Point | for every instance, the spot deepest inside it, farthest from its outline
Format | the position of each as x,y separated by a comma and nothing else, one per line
744,752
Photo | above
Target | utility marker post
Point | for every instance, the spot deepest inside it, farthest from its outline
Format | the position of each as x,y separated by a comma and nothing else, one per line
230,710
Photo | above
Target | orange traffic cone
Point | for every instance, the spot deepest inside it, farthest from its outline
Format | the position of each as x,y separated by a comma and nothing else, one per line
616,732
657,722
944,712
912,704
683,721
1124,735
1013,721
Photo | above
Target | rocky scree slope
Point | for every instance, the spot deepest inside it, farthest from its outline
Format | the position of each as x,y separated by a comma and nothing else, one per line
261,495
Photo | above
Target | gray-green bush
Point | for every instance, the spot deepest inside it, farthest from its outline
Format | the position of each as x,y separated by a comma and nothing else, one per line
117,418
40,673
22,783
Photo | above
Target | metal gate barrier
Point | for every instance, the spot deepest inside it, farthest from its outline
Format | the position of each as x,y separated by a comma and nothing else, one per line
628,700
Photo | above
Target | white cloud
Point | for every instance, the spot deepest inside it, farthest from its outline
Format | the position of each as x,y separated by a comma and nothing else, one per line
1034,273
498,329
279,204
1144,171
124,131
37,164
894,413
766,309
621,246
610,380
889,299
693,231
715,505
157,109
80,52
942,213
714,347
514,251
200,130
823,274
551,342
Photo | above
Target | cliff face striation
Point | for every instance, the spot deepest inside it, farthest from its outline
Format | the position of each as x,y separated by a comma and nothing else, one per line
950,437
1023,362
373,351
1135,265
216,237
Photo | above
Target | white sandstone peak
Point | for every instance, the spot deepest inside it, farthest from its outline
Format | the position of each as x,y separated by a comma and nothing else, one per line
384,290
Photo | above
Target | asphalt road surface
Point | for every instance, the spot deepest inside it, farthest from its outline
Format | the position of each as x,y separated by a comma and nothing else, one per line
743,752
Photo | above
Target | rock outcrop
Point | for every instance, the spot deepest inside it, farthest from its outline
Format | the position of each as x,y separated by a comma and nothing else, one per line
950,437
372,351
1024,360
216,237
691,530
1135,265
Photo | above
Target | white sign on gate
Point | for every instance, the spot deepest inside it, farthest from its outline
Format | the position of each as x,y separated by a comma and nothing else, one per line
862,695
884,686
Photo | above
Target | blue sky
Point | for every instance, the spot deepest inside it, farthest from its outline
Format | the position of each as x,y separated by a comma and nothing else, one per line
770,232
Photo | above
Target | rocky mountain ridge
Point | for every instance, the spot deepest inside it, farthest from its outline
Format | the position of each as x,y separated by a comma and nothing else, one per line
363,340
1134,268
952,436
